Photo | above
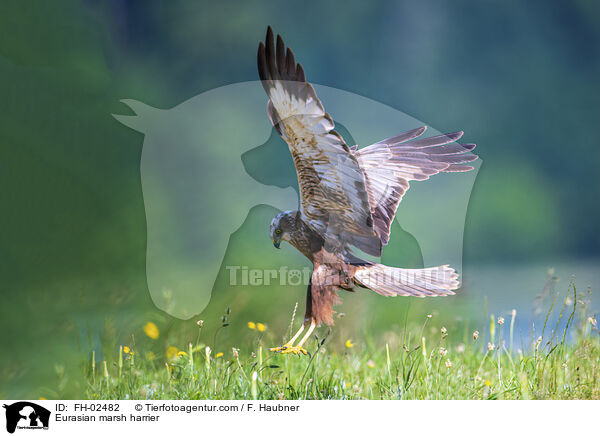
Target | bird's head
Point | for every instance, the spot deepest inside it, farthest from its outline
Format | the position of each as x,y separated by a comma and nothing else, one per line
281,227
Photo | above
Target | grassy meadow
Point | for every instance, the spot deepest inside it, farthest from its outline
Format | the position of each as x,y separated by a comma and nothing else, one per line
424,360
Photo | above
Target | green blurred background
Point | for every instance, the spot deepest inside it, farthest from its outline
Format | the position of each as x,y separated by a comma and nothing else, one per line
521,78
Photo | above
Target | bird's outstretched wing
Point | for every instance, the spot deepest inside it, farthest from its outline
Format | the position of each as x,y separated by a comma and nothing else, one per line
334,199
390,164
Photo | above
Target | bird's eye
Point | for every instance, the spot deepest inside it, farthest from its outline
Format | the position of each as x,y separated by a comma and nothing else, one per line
278,231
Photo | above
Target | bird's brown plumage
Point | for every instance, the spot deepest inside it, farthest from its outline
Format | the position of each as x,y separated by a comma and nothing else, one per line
349,197
334,200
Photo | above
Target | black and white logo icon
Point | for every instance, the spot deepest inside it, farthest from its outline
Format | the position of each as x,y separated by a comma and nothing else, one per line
26,415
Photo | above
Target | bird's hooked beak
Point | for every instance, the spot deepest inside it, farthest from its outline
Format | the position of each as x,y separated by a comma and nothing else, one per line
276,243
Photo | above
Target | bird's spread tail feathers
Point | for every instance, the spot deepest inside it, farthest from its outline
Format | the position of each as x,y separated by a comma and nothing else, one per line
427,282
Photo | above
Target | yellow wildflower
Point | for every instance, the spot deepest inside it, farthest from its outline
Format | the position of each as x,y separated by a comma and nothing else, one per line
487,383
126,349
181,353
219,354
261,327
251,325
172,352
349,344
151,330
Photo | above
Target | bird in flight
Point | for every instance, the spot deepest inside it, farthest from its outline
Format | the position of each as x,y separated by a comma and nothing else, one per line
349,196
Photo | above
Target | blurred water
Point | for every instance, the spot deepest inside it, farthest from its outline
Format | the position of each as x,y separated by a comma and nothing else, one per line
515,286
530,288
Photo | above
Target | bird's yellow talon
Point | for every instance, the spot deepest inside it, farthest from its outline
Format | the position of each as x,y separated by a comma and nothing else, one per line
289,349
280,349
297,350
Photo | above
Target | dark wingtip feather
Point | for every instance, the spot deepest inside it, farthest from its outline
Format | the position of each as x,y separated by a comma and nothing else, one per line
469,147
450,137
300,77
261,62
280,56
276,62
454,136
290,64
270,55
